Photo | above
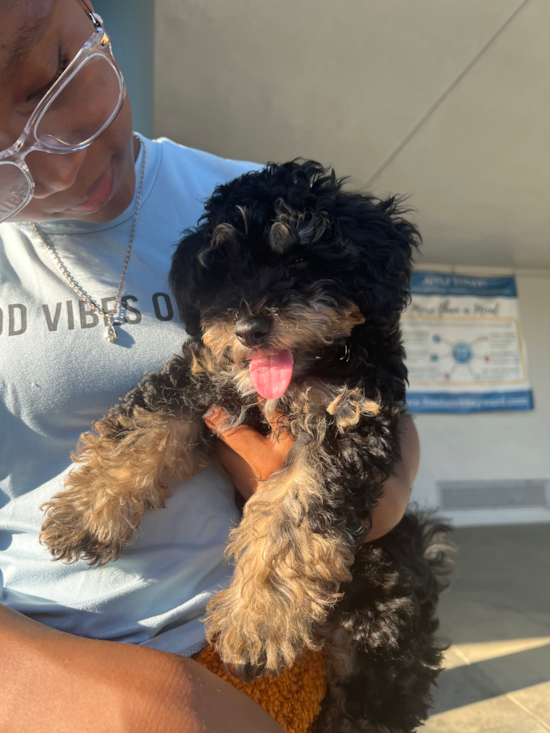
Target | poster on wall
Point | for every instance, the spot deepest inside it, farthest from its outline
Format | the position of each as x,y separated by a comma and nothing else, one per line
465,351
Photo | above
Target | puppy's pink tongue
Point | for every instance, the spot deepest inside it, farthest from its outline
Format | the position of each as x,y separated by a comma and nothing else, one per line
271,373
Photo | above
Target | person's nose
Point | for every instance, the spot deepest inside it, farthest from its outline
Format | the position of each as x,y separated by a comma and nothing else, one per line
54,172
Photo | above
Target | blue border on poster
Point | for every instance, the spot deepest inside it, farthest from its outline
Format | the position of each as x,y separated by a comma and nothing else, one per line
468,402
447,284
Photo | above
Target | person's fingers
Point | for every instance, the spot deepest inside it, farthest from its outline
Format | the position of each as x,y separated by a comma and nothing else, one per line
280,437
241,473
243,440
215,419
264,454
277,423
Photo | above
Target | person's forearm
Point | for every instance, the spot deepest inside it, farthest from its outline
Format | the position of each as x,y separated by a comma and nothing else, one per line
394,501
52,681
250,458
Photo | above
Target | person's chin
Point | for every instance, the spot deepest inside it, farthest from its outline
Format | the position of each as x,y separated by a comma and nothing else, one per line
116,205
118,202
118,195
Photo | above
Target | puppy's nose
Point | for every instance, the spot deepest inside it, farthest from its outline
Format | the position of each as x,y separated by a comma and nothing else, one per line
251,331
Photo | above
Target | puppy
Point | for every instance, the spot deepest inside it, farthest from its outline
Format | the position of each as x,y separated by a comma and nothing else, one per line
291,289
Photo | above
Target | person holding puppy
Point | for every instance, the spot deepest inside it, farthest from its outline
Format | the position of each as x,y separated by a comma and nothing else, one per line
90,213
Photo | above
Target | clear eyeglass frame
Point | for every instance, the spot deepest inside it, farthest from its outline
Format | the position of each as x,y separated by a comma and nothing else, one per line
98,44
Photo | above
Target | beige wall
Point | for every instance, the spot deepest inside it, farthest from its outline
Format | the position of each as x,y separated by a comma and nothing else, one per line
448,100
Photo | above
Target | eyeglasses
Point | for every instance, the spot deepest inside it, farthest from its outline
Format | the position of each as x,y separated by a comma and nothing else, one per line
74,112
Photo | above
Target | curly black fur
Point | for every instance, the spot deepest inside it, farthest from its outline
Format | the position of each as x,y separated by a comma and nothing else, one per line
325,273
364,255
388,612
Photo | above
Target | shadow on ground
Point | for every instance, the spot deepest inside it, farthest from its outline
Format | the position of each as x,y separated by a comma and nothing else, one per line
497,616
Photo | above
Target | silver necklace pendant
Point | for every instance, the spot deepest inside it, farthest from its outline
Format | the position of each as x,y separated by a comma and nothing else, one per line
111,335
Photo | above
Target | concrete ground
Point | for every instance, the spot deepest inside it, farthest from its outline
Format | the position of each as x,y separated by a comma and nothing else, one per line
497,615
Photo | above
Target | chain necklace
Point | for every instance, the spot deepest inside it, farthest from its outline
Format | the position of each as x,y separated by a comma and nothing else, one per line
111,334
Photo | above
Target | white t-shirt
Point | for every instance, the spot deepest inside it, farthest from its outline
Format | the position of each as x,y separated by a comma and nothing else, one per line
58,374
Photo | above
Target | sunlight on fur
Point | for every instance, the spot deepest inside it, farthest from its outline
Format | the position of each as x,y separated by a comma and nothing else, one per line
286,577
322,274
117,480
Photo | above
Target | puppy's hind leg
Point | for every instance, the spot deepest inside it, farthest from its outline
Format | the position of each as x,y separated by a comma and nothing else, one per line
120,472
380,642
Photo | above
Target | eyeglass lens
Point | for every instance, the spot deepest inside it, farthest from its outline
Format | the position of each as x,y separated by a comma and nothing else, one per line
83,108
81,111
14,189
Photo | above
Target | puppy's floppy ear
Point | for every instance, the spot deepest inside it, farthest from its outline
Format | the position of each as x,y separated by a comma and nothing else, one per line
383,242
185,276
200,259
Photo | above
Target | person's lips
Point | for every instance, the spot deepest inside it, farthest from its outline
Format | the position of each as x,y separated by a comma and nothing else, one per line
98,196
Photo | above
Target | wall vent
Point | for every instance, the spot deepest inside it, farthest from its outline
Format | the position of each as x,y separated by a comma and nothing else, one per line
493,494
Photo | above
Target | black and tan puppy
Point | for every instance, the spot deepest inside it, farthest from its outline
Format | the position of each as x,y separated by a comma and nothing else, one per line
291,288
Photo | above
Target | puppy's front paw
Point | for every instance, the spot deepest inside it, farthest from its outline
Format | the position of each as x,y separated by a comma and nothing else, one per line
285,583
75,530
241,637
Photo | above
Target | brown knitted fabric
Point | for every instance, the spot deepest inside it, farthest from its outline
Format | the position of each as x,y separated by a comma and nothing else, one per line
293,699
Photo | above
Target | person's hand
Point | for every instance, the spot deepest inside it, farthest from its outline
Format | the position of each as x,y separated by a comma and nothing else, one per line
53,682
250,458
